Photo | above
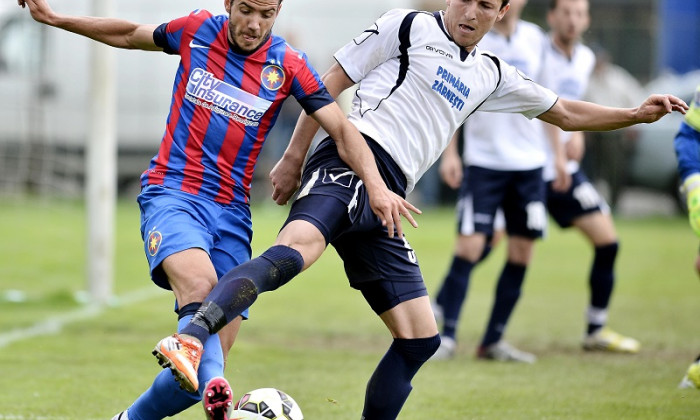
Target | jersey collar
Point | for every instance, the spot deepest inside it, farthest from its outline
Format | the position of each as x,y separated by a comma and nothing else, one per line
463,54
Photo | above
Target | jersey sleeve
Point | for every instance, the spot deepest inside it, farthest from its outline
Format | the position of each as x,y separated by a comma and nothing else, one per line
516,93
375,45
307,87
168,36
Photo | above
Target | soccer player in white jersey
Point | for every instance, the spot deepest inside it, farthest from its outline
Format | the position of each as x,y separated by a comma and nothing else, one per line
420,76
566,70
504,155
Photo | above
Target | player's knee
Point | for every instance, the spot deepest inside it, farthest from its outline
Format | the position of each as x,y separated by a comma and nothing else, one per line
195,289
417,349
470,247
274,268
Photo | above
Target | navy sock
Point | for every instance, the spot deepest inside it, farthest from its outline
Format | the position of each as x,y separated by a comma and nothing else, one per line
189,309
390,384
239,288
602,278
507,294
453,293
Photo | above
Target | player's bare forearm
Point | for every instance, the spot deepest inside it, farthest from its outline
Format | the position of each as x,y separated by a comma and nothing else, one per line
286,175
117,33
586,116
450,168
562,179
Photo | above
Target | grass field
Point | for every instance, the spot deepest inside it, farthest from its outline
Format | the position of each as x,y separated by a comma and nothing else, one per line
317,339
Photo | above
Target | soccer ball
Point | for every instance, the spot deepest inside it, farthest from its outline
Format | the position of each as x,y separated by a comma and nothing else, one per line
266,403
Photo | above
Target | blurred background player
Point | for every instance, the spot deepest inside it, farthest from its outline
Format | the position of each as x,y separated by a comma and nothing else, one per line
196,222
687,145
504,155
566,70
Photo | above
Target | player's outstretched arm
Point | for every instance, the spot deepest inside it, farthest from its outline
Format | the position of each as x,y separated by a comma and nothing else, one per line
114,32
586,116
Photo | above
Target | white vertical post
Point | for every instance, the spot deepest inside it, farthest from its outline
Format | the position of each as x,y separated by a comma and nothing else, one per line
101,155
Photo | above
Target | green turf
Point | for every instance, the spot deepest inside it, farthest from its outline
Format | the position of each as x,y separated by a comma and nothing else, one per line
317,339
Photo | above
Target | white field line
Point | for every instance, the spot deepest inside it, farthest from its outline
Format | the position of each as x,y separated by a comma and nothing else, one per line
54,324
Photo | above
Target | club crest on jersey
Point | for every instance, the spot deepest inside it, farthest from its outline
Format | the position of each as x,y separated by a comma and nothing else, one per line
153,243
272,77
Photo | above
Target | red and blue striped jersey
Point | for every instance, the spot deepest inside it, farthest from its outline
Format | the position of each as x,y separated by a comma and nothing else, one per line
224,104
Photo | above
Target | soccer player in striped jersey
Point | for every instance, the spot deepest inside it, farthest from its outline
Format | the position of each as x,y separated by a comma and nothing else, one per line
420,76
566,69
196,225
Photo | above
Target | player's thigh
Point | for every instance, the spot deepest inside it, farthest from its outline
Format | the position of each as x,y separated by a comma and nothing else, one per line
314,220
191,275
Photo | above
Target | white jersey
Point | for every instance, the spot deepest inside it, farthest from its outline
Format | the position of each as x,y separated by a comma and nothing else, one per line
569,79
509,141
417,86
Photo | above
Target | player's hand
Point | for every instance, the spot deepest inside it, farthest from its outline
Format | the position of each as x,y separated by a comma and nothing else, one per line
389,207
39,9
451,170
575,147
285,178
656,106
562,178
691,186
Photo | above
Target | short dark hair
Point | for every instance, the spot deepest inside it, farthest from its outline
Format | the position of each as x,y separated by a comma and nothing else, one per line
504,3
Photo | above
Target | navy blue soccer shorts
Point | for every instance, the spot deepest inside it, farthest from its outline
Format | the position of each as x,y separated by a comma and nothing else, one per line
580,199
519,194
333,198
173,221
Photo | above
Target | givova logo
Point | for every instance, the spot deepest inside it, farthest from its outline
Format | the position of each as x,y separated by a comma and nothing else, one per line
205,90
